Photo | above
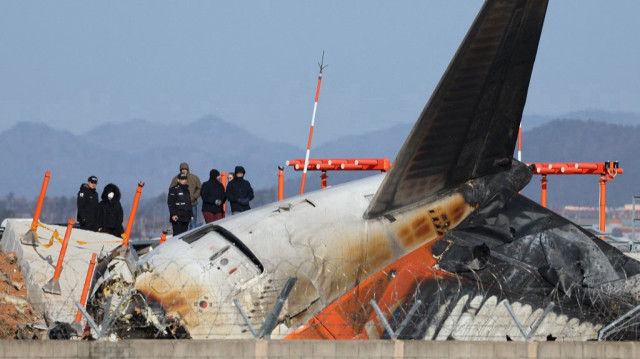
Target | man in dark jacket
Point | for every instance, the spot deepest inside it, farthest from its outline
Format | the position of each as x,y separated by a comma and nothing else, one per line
88,205
110,213
195,186
179,201
213,197
239,192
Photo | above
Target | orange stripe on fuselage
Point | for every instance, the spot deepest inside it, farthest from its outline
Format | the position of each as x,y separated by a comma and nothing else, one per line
347,316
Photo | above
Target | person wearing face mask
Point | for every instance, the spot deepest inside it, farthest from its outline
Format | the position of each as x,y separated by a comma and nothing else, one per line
213,197
110,211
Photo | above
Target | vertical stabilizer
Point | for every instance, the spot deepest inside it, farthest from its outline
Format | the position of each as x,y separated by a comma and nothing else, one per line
470,124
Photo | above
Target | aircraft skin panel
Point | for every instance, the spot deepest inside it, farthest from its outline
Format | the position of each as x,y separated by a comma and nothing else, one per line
327,260
509,250
469,126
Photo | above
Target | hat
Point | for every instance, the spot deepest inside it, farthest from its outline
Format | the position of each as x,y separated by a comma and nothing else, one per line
239,169
214,173
182,176
184,166
92,179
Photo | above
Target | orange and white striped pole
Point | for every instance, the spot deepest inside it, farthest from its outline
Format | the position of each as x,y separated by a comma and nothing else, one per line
520,143
313,119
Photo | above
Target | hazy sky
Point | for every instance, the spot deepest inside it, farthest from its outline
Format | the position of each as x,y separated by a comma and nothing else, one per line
78,64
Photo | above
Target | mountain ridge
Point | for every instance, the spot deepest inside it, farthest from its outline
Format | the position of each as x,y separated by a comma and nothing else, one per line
140,150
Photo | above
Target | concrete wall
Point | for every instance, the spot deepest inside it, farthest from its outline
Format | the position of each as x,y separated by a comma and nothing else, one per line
366,349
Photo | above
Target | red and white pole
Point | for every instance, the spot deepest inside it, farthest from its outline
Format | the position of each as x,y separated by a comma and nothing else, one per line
520,143
313,120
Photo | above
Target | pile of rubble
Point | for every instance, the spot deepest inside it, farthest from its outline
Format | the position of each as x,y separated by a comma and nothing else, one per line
18,319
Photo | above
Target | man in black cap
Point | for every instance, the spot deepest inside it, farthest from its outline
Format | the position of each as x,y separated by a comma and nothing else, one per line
239,192
88,205
195,186
179,202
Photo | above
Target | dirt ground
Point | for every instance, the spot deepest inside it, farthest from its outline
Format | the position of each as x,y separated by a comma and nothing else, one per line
17,316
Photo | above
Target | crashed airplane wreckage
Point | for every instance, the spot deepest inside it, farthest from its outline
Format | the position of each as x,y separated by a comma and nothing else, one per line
449,209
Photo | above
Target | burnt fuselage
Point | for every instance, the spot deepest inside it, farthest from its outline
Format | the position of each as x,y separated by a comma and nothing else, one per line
320,238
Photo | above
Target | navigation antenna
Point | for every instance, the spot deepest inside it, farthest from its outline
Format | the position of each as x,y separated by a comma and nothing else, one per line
313,119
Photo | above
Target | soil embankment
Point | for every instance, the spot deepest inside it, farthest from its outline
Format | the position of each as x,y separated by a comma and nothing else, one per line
17,316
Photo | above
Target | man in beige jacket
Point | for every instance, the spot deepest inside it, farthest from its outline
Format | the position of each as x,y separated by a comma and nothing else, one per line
194,189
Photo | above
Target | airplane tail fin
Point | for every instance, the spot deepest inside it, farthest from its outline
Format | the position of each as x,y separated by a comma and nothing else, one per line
469,127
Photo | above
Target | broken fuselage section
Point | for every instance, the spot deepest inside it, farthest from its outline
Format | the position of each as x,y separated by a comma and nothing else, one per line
191,281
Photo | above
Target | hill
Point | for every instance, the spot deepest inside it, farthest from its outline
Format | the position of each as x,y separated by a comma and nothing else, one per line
131,152
140,150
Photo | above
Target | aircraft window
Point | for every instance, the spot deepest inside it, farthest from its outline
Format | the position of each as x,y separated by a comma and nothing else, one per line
287,207
230,237
219,253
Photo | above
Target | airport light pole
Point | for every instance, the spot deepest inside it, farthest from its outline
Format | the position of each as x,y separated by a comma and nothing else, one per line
313,119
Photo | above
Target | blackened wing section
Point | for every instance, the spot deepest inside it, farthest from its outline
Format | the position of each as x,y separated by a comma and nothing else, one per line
513,249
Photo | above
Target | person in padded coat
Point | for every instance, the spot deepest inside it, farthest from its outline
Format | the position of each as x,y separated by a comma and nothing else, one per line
88,205
110,211
179,202
239,192
213,197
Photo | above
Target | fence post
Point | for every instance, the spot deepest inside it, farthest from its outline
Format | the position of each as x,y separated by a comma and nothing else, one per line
31,237
525,335
87,283
53,285
270,321
603,201
543,191
323,179
280,183
132,215
163,237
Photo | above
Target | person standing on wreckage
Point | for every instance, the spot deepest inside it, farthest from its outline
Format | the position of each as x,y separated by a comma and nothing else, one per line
179,202
239,192
213,197
88,205
110,211
194,189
